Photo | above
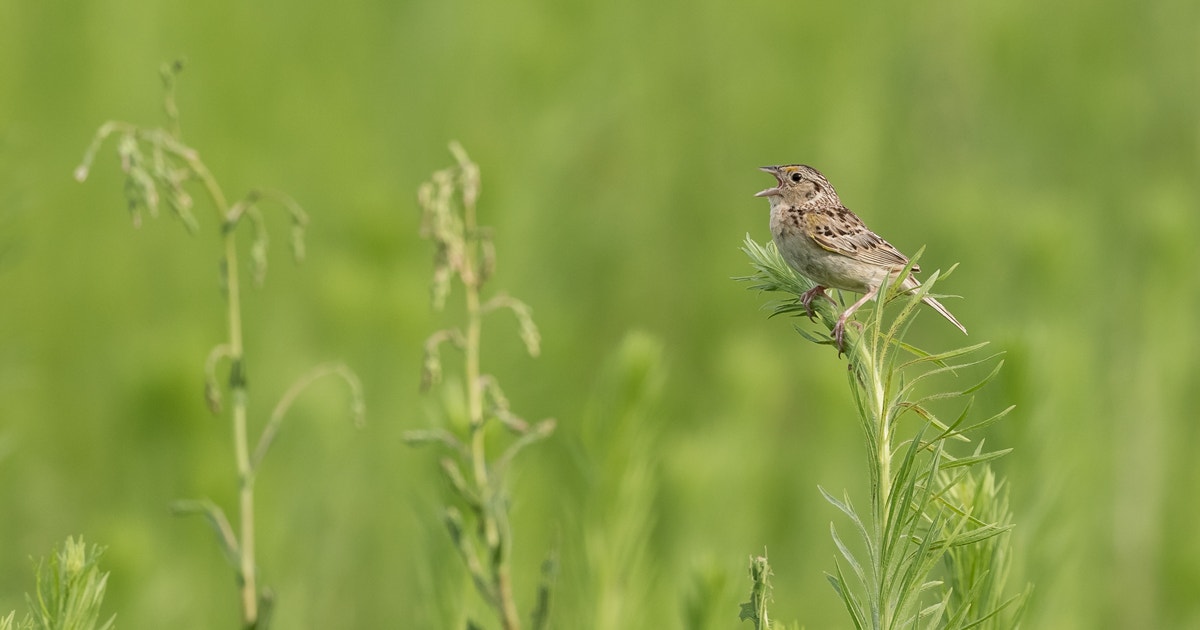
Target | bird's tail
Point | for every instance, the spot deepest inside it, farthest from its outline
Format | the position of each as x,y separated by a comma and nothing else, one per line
911,283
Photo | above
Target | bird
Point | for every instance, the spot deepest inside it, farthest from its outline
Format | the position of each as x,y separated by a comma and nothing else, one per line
822,239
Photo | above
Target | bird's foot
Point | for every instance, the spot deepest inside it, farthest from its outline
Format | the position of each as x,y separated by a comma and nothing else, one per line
839,332
808,296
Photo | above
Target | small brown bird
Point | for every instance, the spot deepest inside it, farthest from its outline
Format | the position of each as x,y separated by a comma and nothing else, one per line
830,245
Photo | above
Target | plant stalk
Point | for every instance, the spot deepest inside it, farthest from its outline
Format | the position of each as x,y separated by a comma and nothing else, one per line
883,428
237,378
870,372
472,279
237,386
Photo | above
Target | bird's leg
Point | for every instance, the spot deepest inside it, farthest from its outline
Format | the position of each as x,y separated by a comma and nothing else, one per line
808,296
839,329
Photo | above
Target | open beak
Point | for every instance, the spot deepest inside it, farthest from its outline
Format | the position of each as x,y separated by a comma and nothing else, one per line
774,170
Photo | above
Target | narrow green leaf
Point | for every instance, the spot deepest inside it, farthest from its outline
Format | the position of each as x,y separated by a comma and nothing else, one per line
989,421
947,430
941,357
932,613
970,390
824,341
845,551
996,611
947,368
852,605
975,459
972,536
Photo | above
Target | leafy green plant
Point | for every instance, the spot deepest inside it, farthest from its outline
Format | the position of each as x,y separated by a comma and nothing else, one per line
931,506
755,610
976,574
159,167
464,250
70,590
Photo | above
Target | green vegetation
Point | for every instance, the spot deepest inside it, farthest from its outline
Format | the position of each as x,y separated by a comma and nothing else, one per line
929,503
755,610
158,166
1050,150
464,252
69,592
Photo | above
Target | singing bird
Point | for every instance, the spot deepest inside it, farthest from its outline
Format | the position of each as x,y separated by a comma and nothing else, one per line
827,243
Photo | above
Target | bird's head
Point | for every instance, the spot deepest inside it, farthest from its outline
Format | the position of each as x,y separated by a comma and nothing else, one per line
798,185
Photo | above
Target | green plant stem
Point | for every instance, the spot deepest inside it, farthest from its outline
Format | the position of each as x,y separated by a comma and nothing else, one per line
161,174
883,429
872,378
237,386
471,278
883,489
464,250
241,444
475,389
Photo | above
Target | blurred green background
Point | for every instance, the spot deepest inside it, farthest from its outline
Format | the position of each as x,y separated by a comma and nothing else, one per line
1051,149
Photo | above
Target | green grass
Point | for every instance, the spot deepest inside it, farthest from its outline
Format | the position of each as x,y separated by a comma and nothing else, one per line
1048,149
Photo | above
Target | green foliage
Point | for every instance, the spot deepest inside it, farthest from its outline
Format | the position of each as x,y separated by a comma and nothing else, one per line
1051,150
158,165
464,251
928,504
976,574
70,591
755,610
619,456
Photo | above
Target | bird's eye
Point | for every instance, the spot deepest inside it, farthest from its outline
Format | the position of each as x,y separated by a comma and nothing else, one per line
796,177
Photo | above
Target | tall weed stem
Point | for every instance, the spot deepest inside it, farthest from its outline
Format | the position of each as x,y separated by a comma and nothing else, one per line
464,250
158,165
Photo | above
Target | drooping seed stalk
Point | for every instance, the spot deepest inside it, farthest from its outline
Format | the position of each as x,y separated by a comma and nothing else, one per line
464,251
158,166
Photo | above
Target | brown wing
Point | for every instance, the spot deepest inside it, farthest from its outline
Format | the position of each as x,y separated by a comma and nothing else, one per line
841,231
